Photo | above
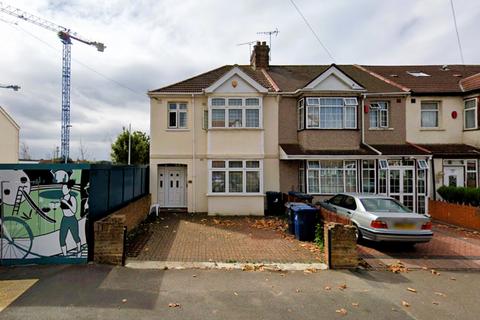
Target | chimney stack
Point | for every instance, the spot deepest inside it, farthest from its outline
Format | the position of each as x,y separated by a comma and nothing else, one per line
260,56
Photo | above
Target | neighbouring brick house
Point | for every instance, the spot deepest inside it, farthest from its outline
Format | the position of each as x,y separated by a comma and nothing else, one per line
223,138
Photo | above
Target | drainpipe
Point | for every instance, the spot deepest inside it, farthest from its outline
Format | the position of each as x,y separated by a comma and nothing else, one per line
194,176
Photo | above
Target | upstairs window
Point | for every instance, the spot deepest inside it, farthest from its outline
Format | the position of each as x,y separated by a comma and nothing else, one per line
332,113
379,114
470,114
177,115
300,115
429,114
235,113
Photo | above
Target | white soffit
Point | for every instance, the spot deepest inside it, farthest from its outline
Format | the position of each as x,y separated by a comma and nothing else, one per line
333,79
233,75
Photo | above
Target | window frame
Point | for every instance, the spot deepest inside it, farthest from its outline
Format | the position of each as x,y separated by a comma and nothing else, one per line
227,169
301,114
226,107
437,111
475,112
177,113
378,114
347,103
310,167
374,170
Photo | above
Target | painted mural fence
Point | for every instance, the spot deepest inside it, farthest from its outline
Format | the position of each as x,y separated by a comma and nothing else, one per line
46,210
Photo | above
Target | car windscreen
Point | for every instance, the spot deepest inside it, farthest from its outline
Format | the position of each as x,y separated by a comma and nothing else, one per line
383,205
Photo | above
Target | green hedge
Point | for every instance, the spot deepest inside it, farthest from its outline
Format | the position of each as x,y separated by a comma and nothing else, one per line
460,195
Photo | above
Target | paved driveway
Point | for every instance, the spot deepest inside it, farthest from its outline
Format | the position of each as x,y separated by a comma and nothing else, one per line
200,238
451,248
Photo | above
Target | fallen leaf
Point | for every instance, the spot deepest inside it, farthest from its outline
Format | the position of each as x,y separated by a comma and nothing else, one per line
297,290
435,272
342,311
452,278
440,294
435,303
235,293
424,268
124,300
405,304
194,276
397,267
342,287
327,288
412,290
355,304
173,305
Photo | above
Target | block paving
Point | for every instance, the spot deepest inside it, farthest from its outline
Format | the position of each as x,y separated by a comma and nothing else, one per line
451,248
201,238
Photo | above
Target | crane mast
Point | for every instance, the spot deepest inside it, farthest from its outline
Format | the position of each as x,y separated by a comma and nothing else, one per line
66,36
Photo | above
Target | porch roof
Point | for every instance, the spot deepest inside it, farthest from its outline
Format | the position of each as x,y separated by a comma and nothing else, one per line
399,149
453,150
295,151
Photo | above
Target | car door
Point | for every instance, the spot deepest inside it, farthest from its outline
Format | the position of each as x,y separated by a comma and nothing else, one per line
348,206
336,202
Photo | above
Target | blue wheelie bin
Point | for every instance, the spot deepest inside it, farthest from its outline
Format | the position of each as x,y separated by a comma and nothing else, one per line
305,221
290,215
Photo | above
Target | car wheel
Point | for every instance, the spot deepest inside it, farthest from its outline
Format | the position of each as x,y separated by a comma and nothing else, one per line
358,234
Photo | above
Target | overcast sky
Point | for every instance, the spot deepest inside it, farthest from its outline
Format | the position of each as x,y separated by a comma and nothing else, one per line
152,43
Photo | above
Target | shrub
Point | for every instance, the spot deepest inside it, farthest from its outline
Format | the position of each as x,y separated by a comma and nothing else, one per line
319,235
460,195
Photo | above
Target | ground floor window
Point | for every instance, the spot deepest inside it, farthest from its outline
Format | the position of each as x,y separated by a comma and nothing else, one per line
368,176
460,172
331,176
236,176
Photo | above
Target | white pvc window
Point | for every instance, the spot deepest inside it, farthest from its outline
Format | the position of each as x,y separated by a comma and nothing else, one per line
422,164
177,115
235,113
235,176
471,173
429,114
368,176
383,164
470,114
331,176
300,115
379,114
331,113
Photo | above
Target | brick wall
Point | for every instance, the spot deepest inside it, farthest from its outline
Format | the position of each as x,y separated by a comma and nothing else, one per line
340,246
330,216
109,231
456,214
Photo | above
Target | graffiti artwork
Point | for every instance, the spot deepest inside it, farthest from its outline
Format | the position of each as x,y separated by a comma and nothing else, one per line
43,216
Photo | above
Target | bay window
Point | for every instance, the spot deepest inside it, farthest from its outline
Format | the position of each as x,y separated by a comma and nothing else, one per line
379,114
470,114
235,176
235,113
331,113
331,176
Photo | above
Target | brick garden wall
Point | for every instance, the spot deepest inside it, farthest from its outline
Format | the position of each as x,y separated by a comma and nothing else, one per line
330,216
456,214
109,231
340,246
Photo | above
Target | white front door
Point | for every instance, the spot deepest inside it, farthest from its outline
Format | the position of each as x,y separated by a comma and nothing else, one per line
172,187
453,176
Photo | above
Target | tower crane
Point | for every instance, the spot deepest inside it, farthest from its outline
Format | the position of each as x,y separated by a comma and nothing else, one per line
66,36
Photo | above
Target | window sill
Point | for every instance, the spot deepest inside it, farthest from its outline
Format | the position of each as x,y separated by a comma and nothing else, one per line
177,130
210,194
471,129
432,129
381,129
240,129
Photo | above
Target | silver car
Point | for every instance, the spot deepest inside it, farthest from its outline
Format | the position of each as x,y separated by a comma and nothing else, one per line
381,218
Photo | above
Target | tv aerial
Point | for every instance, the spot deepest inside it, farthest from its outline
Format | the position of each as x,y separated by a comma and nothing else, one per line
269,34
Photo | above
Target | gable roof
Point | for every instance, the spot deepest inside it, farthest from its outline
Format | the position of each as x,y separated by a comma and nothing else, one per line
455,79
9,118
202,81
439,79
236,71
336,72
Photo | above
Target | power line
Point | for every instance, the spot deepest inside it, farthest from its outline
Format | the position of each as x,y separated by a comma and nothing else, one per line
16,26
456,31
313,31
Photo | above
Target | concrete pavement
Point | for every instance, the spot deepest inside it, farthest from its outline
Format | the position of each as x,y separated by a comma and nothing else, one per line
103,292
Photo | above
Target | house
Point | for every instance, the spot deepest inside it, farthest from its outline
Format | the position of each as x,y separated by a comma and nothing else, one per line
221,139
9,138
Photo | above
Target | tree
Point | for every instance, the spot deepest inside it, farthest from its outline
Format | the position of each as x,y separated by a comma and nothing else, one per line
84,153
25,151
140,148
